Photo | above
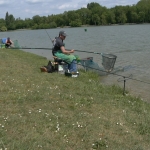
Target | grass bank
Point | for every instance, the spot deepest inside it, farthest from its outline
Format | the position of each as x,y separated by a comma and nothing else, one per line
54,112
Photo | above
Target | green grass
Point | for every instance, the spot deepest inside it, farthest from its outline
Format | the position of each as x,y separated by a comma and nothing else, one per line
50,111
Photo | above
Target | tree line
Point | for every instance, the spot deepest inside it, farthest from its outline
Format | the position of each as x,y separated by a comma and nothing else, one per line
94,14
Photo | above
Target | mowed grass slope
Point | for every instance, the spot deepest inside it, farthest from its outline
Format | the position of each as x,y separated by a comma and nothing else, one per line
50,111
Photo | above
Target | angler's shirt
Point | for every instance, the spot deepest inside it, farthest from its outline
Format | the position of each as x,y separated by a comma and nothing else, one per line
8,42
58,42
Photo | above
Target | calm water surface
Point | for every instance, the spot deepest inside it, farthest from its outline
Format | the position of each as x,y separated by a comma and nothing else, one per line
130,43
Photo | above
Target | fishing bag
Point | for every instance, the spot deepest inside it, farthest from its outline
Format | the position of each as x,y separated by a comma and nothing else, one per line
49,68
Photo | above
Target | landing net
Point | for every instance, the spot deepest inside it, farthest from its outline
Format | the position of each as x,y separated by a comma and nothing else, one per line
108,63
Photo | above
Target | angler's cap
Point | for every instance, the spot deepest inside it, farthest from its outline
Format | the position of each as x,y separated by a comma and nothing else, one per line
62,33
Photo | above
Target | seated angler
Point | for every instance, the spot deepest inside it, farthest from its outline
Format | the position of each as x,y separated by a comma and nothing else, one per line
66,55
8,43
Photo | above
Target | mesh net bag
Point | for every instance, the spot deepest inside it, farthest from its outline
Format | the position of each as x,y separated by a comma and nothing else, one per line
16,44
89,64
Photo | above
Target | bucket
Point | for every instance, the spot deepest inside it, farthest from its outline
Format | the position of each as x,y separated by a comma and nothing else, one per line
62,68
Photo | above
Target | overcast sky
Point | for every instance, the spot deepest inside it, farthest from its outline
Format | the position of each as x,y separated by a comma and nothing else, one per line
29,8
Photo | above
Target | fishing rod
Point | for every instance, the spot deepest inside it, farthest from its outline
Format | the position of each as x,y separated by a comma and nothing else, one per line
49,36
51,49
69,49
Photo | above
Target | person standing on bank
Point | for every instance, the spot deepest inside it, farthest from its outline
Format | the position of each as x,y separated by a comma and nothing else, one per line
8,43
66,55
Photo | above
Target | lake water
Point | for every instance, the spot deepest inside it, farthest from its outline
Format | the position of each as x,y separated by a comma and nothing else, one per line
130,43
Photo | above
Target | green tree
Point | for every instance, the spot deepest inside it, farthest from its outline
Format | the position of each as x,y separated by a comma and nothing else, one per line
141,16
143,8
10,22
3,28
7,19
111,17
2,22
92,5
96,12
120,14
104,18
72,16
96,19
76,23
53,25
59,21
85,15
37,19
19,24
134,17
28,23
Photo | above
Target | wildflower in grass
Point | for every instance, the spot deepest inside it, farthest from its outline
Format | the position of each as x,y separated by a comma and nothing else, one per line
57,127
19,115
6,118
56,87
79,126
39,110
121,124
40,146
4,82
46,114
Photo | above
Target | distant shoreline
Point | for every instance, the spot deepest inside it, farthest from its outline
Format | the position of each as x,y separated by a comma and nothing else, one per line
85,26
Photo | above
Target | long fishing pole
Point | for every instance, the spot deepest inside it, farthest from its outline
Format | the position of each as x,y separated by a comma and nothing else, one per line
51,49
69,49
49,36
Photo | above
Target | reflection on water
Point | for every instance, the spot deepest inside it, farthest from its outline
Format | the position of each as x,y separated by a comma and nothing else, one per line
130,43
